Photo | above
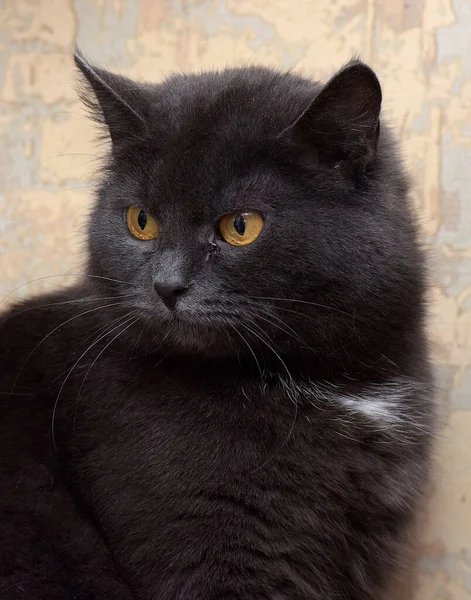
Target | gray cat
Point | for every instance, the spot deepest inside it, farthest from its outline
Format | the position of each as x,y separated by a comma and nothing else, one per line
235,401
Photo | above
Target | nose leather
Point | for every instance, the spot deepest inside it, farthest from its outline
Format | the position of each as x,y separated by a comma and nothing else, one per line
170,292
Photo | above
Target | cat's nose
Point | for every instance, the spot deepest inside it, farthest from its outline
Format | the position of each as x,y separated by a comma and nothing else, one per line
170,292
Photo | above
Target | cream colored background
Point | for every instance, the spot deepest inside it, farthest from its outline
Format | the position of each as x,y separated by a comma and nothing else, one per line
422,51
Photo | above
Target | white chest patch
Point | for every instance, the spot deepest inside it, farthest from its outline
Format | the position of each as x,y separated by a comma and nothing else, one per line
387,405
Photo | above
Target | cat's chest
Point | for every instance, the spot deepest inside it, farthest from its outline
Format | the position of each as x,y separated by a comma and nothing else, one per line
148,439
187,465
162,424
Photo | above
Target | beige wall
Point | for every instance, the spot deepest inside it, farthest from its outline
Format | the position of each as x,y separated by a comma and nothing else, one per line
422,52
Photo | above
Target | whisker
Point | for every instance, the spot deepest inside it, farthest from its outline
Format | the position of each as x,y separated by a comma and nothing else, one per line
55,329
293,333
163,357
294,312
63,275
123,322
70,372
39,306
295,416
138,339
249,347
284,442
102,329
316,304
95,156
270,347
78,185
161,345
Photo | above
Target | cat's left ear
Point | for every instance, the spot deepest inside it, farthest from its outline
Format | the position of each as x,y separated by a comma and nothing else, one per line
115,101
341,125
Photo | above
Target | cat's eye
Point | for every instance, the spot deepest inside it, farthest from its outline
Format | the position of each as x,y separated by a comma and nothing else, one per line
241,229
141,224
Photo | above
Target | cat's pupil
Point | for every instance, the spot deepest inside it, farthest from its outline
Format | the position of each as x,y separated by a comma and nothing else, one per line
142,219
239,224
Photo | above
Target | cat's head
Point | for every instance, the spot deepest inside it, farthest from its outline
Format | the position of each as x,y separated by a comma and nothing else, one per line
248,209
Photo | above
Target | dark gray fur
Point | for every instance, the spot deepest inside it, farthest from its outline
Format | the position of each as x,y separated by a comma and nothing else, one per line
270,437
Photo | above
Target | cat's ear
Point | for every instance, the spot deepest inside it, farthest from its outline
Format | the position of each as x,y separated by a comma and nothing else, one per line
341,125
115,101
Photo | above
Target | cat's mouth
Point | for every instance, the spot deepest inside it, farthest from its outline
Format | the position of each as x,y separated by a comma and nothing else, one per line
200,319
194,329
230,326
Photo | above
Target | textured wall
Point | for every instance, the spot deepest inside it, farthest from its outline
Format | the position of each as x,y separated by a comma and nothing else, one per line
422,52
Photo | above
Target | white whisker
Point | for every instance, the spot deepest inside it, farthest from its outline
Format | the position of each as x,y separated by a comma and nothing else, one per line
250,348
63,275
40,306
55,329
307,302
293,400
126,320
69,374
289,329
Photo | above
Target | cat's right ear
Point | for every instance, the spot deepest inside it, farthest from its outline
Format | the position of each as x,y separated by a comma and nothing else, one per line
116,102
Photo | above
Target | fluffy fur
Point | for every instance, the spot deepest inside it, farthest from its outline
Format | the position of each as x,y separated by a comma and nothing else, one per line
269,437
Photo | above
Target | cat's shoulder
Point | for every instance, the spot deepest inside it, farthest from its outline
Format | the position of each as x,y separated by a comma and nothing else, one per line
38,326
29,317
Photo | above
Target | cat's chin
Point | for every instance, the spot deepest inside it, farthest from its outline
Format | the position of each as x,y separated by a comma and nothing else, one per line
195,335
201,340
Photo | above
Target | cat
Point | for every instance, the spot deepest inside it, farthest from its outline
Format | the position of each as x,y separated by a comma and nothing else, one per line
235,401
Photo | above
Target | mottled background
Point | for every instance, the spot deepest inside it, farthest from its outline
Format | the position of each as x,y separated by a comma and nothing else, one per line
422,52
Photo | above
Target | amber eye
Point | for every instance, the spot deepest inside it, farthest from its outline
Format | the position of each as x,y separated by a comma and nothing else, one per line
241,229
141,224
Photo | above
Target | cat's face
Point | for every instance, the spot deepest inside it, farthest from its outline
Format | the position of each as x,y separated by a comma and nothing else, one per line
239,220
